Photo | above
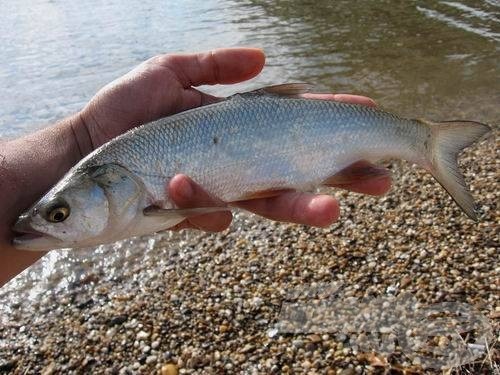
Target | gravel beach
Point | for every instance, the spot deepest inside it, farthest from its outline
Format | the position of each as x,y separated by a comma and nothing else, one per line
196,303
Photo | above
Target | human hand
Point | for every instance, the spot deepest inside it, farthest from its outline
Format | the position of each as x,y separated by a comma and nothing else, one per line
164,85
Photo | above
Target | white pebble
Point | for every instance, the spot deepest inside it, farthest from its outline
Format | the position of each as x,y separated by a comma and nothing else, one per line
272,332
142,335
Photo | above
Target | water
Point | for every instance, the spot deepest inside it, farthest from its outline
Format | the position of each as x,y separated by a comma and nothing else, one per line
435,59
419,58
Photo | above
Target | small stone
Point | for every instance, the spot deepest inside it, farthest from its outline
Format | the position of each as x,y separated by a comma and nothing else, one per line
155,344
341,337
111,332
310,346
443,342
272,333
405,281
347,371
306,364
297,343
385,329
315,338
495,314
223,328
146,349
49,369
7,366
169,369
248,348
257,302
151,359
141,335
119,319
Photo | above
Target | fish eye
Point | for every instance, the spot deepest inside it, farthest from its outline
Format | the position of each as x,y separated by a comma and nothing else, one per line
58,213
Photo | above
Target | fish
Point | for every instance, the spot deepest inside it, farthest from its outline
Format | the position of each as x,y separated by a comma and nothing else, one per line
248,145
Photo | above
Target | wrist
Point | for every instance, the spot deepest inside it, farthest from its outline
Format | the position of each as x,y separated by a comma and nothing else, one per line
81,134
29,166
35,162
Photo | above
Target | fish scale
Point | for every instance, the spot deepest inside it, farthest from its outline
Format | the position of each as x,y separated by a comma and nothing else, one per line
284,142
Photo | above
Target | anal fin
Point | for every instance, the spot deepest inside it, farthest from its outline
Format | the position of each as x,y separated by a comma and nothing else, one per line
355,173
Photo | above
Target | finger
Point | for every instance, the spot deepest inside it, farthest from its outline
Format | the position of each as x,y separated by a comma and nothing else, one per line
345,98
223,66
296,207
187,194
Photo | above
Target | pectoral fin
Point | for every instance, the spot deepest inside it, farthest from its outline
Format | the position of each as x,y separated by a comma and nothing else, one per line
181,212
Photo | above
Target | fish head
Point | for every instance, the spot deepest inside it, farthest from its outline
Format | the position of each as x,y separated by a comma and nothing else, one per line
88,207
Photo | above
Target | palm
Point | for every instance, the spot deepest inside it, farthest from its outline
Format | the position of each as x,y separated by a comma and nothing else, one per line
145,94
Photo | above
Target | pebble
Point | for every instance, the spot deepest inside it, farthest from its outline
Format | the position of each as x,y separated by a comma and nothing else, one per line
119,319
141,335
7,366
169,369
315,338
155,344
298,343
49,369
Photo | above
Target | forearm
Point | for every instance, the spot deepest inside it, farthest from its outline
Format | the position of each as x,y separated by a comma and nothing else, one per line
29,166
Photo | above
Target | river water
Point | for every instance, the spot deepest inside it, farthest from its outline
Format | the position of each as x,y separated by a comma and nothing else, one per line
434,59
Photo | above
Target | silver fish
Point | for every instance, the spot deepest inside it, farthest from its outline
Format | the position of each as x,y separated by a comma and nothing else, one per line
243,147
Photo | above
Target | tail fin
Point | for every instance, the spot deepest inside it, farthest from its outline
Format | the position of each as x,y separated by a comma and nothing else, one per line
448,138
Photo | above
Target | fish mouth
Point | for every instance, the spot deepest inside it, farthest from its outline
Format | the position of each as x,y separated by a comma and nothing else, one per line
28,238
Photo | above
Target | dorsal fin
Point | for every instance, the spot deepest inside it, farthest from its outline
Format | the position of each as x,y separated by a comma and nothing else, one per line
285,89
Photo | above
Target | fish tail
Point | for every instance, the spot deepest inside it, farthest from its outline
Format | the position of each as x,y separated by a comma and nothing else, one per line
446,140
